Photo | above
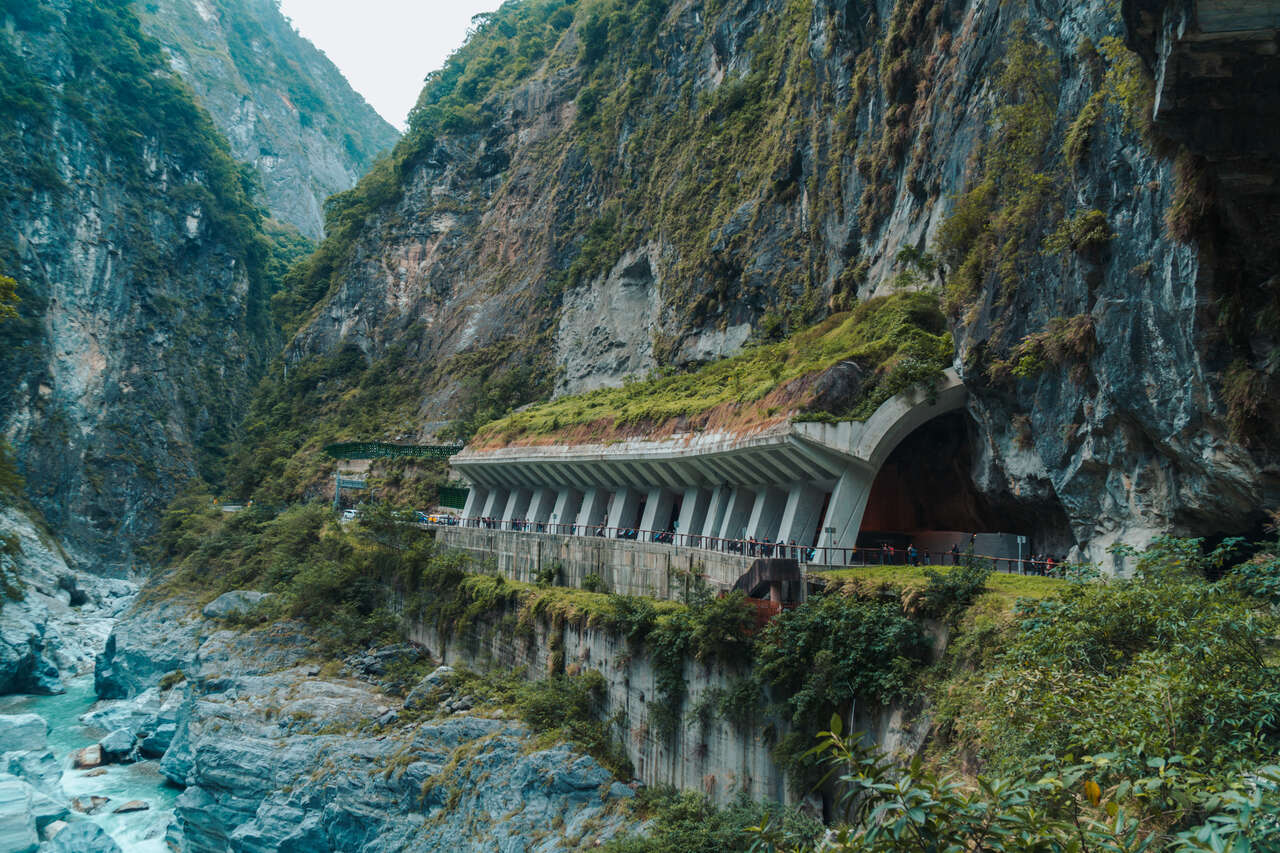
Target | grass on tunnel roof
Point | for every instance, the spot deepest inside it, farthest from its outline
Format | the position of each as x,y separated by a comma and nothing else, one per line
899,340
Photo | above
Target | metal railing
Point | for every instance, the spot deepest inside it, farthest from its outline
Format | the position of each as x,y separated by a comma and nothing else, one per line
750,548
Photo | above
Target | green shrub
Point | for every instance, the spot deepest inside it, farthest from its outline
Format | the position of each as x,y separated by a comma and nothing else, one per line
1162,807
825,654
1164,664
689,823
952,591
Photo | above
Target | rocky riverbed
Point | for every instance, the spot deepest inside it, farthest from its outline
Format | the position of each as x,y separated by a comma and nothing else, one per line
232,739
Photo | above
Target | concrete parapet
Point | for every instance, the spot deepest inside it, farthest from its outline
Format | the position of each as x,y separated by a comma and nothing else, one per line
626,567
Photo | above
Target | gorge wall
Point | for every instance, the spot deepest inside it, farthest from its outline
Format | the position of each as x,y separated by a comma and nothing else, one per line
143,270
654,184
283,106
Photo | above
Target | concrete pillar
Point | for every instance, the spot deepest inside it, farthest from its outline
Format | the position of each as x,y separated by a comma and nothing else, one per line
541,505
848,503
800,517
657,510
693,511
766,513
625,508
568,504
595,506
517,504
737,513
475,501
496,503
716,506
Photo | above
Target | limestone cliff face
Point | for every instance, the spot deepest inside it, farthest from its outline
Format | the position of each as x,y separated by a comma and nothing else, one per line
140,268
669,180
285,108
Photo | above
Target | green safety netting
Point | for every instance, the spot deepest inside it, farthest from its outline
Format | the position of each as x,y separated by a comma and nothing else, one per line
379,450
453,497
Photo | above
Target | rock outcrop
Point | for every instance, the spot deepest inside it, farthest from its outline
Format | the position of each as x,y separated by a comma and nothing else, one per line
62,617
284,107
31,795
288,761
275,757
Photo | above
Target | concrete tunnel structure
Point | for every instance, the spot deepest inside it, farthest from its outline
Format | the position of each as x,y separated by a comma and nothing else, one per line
807,482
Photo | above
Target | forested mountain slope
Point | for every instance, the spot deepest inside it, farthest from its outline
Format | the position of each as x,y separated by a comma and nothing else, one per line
284,107
596,189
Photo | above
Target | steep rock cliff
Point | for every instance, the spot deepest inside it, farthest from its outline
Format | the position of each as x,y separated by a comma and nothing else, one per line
590,190
284,107
141,269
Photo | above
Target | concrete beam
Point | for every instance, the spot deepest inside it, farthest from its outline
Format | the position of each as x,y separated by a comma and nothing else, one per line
568,505
541,505
737,512
496,503
668,474
739,472
766,513
595,508
657,510
693,511
800,518
475,500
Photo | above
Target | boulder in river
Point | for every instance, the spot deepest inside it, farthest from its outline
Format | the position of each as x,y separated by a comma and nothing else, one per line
22,732
132,806
90,756
17,816
117,747
89,805
83,837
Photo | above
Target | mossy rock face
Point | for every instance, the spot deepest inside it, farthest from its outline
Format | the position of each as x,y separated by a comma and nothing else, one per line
844,367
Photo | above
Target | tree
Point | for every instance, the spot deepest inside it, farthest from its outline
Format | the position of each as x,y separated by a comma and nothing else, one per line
8,298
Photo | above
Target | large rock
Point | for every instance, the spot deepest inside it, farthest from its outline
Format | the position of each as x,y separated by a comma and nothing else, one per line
419,695
17,816
238,602
279,762
118,746
87,758
23,732
83,837
148,642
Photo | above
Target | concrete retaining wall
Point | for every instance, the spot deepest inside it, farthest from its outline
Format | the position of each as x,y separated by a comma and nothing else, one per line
627,568
720,760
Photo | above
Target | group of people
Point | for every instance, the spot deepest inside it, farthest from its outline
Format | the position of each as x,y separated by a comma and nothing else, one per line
888,554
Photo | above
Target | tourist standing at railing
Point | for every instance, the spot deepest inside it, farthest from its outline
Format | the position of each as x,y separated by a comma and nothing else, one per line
955,554
913,556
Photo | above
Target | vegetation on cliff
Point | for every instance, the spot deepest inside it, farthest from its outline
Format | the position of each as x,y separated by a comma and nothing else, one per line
897,342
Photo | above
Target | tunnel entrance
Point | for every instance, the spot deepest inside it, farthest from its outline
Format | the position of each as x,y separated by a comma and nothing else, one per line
925,493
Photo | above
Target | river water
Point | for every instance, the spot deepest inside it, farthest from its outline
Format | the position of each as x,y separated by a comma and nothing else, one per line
138,832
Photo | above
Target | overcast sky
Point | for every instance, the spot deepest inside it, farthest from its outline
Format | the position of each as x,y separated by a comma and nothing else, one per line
386,47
